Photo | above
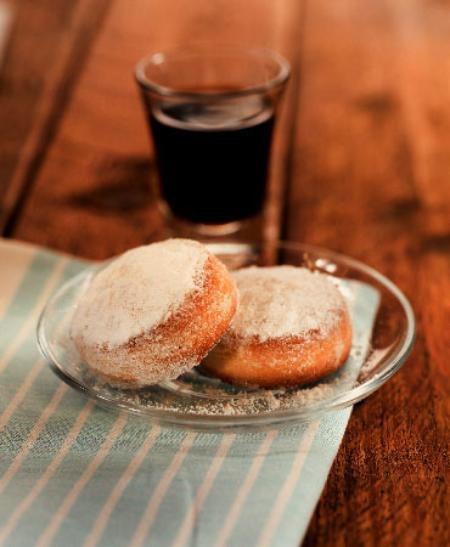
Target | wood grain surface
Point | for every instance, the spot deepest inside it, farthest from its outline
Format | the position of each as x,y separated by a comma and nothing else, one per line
371,178
48,45
96,168
366,172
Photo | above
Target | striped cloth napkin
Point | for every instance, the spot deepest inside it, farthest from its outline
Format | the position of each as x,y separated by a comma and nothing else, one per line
73,474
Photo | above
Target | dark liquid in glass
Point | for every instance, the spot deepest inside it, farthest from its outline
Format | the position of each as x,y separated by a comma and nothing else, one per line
213,159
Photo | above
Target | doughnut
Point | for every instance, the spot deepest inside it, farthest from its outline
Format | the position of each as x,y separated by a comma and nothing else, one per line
153,313
292,327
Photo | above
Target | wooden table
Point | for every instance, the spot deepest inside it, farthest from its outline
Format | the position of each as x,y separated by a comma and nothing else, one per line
367,172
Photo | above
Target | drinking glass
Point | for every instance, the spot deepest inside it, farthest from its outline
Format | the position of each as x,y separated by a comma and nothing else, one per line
211,114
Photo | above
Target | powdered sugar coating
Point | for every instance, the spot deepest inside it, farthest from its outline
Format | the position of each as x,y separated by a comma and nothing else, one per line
285,301
138,291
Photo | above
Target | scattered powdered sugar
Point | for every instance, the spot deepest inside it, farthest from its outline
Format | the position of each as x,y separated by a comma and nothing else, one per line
282,301
194,394
138,291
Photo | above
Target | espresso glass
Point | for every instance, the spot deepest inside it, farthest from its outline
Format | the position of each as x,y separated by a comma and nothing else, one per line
211,113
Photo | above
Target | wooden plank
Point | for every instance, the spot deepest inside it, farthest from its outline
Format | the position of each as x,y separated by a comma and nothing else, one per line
47,48
371,180
96,173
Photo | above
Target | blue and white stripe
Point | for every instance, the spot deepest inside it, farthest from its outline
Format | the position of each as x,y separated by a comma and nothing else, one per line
73,474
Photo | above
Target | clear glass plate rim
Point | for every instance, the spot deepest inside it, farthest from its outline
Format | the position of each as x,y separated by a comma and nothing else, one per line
337,402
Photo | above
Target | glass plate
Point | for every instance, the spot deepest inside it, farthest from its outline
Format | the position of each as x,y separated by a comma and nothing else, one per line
383,325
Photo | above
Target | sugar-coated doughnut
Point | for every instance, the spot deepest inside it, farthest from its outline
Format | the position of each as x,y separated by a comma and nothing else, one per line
292,327
153,313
